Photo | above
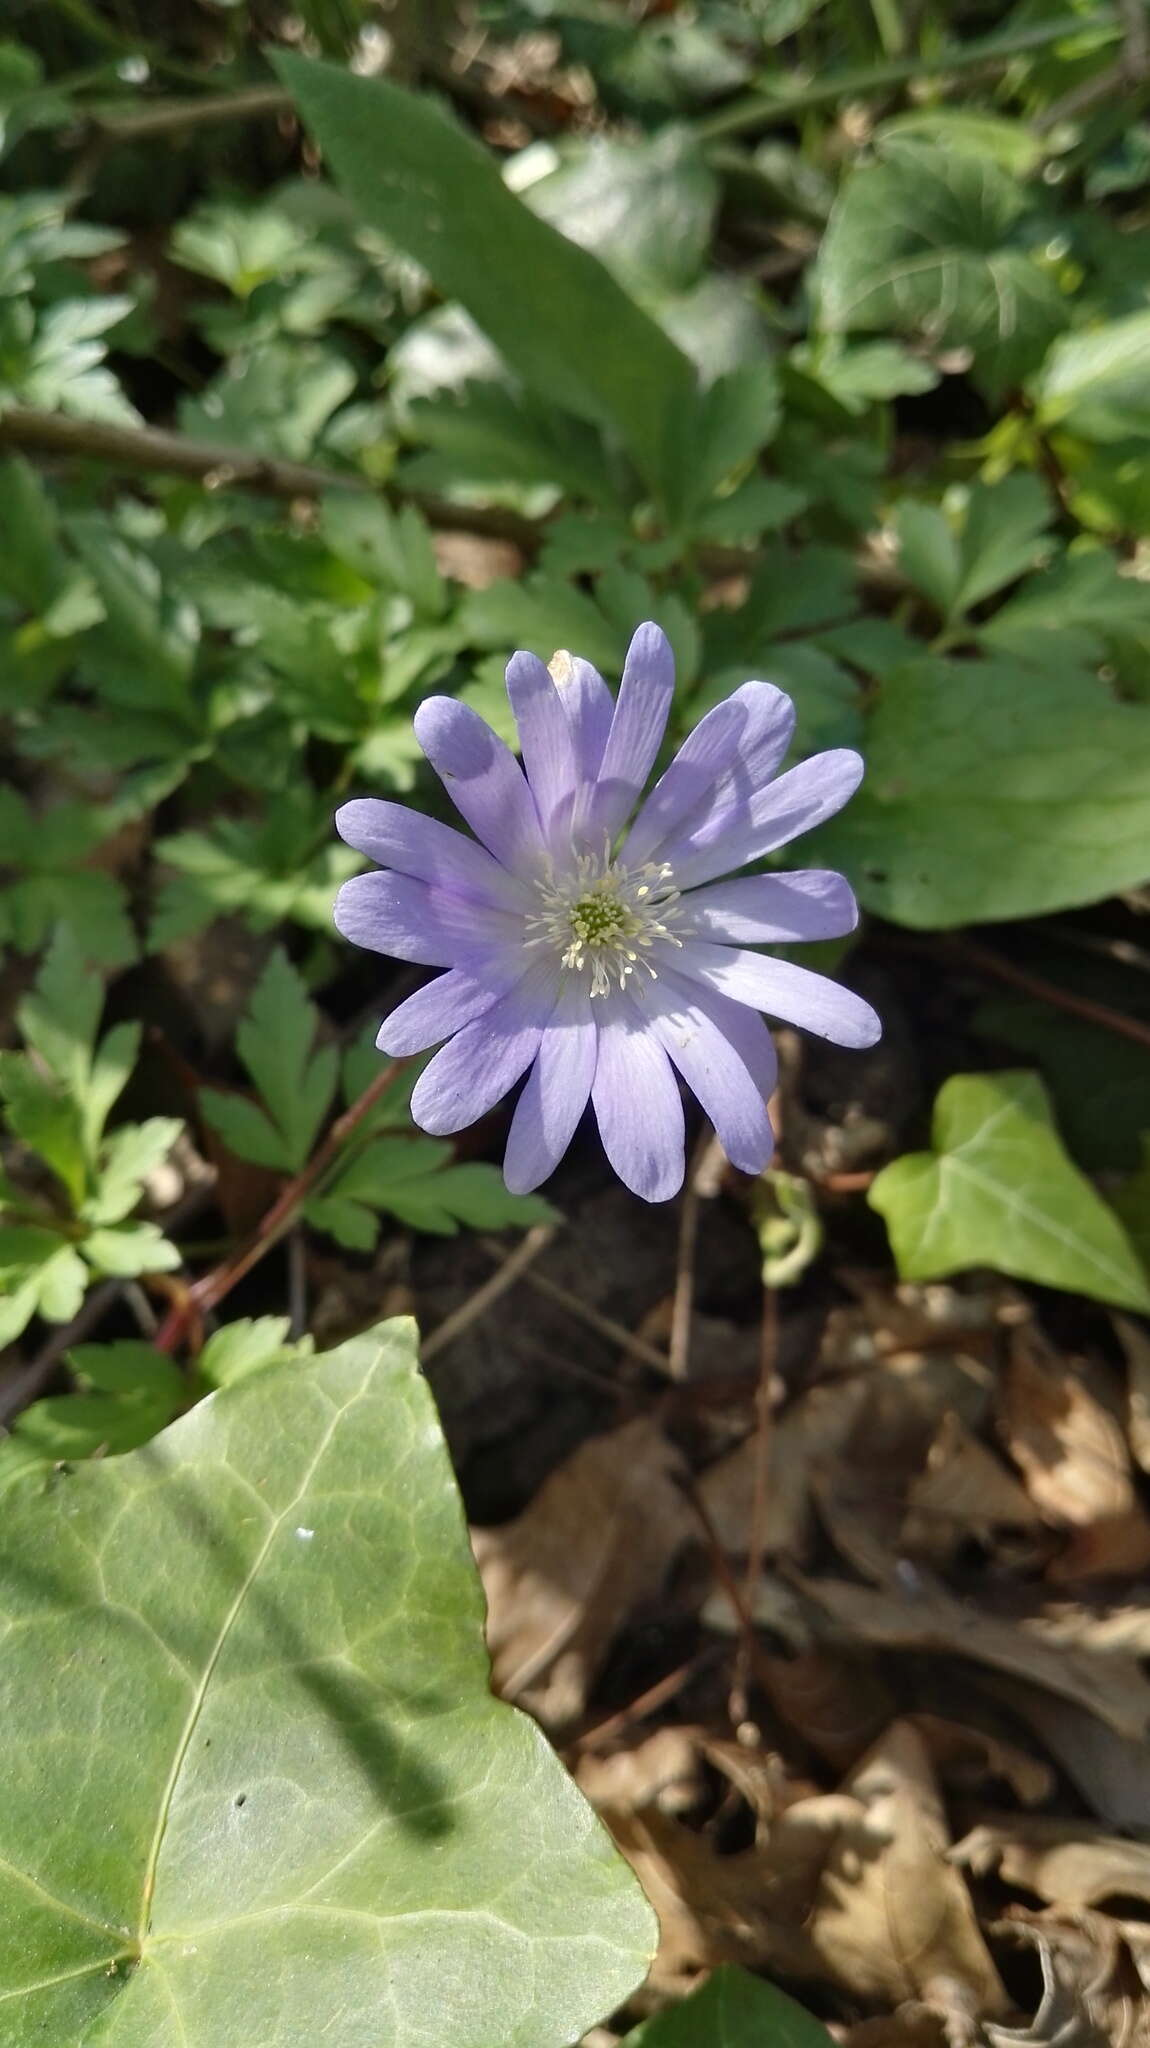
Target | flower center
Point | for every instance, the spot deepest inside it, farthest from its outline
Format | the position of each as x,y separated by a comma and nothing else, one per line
602,919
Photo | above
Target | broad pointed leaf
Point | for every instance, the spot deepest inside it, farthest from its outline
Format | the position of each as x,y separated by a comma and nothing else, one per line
999,1190
557,315
256,1788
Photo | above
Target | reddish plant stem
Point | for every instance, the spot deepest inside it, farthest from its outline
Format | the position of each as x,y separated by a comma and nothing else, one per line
206,1292
987,962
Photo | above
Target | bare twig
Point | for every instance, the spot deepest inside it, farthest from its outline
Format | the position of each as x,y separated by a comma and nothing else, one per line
211,463
985,961
477,1304
603,1326
779,98
168,117
222,467
703,1180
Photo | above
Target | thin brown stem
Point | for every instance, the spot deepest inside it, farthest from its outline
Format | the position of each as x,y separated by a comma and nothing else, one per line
703,1178
604,1326
985,961
477,1304
206,1292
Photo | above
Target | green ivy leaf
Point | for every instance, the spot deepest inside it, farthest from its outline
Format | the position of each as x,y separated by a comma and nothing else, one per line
322,1816
994,790
296,1084
924,242
1096,383
999,1190
732,2010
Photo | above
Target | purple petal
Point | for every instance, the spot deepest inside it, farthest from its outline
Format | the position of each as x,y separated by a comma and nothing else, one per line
793,993
440,1010
546,742
416,845
733,751
484,781
471,1073
637,727
589,706
796,803
555,1094
413,920
772,910
689,1023
637,1104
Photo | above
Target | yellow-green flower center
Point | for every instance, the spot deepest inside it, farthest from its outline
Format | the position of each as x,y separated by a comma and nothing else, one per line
602,919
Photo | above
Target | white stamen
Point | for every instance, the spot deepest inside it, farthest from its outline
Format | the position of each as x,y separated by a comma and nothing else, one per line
601,918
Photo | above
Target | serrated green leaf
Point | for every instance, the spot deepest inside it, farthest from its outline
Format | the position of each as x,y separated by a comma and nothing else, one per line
61,1015
52,1286
126,1393
244,1347
644,206
275,1042
438,194
127,1249
246,1129
323,1825
146,647
958,563
129,1157
994,790
999,1190
46,1119
731,2010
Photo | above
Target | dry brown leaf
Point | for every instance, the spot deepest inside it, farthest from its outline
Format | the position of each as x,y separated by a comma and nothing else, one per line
927,1617
747,1908
596,1542
663,1771
1067,1442
967,1759
892,1919
817,1426
910,2026
1136,1347
962,1491
1067,1863
1092,1984
1111,1771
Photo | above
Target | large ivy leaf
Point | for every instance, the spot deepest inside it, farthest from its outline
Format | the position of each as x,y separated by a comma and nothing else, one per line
923,242
999,1190
732,2010
1097,383
995,790
573,333
267,1796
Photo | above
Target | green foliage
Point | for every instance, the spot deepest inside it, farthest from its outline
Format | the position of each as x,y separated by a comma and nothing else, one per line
930,241
318,1778
995,790
68,1204
853,401
585,345
999,1190
732,2010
